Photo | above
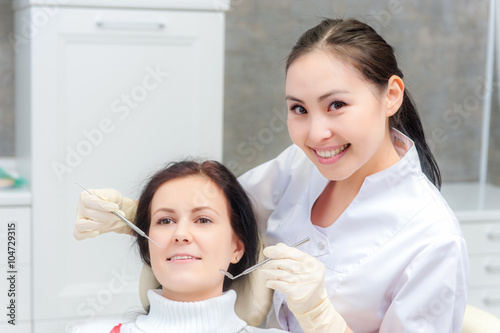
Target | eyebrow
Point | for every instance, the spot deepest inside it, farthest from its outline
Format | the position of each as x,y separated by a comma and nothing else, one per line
194,210
320,98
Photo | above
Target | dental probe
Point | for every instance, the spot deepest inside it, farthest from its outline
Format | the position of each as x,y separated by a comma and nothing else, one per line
121,217
254,267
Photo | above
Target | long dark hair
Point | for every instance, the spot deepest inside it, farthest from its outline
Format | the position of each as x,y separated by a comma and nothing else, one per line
370,54
243,221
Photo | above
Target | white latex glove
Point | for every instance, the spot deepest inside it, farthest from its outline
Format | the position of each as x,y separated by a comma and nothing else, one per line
301,277
94,214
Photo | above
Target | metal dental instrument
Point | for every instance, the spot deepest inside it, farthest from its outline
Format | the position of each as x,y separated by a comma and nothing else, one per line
254,267
121,217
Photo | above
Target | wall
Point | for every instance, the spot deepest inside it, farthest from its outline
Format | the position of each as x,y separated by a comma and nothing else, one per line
441,47
6,80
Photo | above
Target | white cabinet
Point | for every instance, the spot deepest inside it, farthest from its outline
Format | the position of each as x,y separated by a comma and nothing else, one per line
478,210
105,96
483,242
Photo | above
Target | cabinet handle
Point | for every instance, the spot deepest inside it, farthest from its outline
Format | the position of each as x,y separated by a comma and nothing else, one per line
491,301
130,25
492,268
493,236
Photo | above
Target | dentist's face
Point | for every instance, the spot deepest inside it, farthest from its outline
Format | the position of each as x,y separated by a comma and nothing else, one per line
338,119
190,220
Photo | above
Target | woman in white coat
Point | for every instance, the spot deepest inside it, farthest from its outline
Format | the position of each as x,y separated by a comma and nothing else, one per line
387,253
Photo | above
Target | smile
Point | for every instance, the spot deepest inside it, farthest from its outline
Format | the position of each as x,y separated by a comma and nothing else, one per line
183,258
333,152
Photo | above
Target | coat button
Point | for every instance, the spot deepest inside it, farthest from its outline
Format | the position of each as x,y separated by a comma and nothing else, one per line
321,245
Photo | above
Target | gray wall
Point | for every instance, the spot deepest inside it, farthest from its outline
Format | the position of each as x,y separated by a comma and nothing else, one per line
441,47
6,80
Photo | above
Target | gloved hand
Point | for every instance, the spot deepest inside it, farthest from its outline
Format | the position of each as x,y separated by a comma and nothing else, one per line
301,277
94,214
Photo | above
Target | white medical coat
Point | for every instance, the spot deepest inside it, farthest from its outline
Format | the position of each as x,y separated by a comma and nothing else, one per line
396,260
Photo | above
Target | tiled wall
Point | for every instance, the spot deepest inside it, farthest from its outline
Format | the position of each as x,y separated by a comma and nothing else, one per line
441,47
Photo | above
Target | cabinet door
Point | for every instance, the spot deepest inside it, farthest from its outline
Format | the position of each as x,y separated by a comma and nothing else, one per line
487,299
115,94
483,237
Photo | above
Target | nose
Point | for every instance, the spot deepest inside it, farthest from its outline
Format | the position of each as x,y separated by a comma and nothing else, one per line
320,127
182,234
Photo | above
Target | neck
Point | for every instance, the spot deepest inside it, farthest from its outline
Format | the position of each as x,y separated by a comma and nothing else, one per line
192,295
343,192
385,157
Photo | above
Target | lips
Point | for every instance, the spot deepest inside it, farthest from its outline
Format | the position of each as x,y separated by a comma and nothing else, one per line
183,257
332,152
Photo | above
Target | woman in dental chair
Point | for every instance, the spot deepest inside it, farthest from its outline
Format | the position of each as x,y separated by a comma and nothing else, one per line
203,221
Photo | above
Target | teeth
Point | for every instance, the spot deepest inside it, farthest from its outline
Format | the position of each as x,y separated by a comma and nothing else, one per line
182,258
332,153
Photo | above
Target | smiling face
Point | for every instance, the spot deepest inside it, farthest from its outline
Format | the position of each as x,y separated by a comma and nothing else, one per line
339,119
190,220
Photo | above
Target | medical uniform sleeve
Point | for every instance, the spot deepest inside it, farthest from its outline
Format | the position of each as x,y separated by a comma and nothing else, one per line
266,183
431,294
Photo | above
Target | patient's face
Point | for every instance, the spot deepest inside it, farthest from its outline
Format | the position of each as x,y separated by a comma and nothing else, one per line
190,221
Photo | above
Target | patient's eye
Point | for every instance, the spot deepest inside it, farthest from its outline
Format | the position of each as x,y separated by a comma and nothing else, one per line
166,220
203,220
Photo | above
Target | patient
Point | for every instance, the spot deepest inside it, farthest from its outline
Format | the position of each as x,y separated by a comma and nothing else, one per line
203,221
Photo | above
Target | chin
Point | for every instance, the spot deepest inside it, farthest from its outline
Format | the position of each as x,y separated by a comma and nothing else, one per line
334,175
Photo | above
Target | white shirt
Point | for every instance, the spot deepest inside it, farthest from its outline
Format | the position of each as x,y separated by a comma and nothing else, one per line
396,260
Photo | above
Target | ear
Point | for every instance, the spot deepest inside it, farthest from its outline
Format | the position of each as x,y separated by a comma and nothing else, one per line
394,94
239,250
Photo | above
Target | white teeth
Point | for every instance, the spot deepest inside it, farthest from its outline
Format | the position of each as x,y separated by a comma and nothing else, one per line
182,258
332,153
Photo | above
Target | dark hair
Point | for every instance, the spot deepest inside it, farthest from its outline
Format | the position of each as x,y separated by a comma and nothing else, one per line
369,53
242,217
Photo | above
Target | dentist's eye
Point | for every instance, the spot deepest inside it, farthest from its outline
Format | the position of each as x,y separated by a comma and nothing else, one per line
166,221
297,109
204,220
336,105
